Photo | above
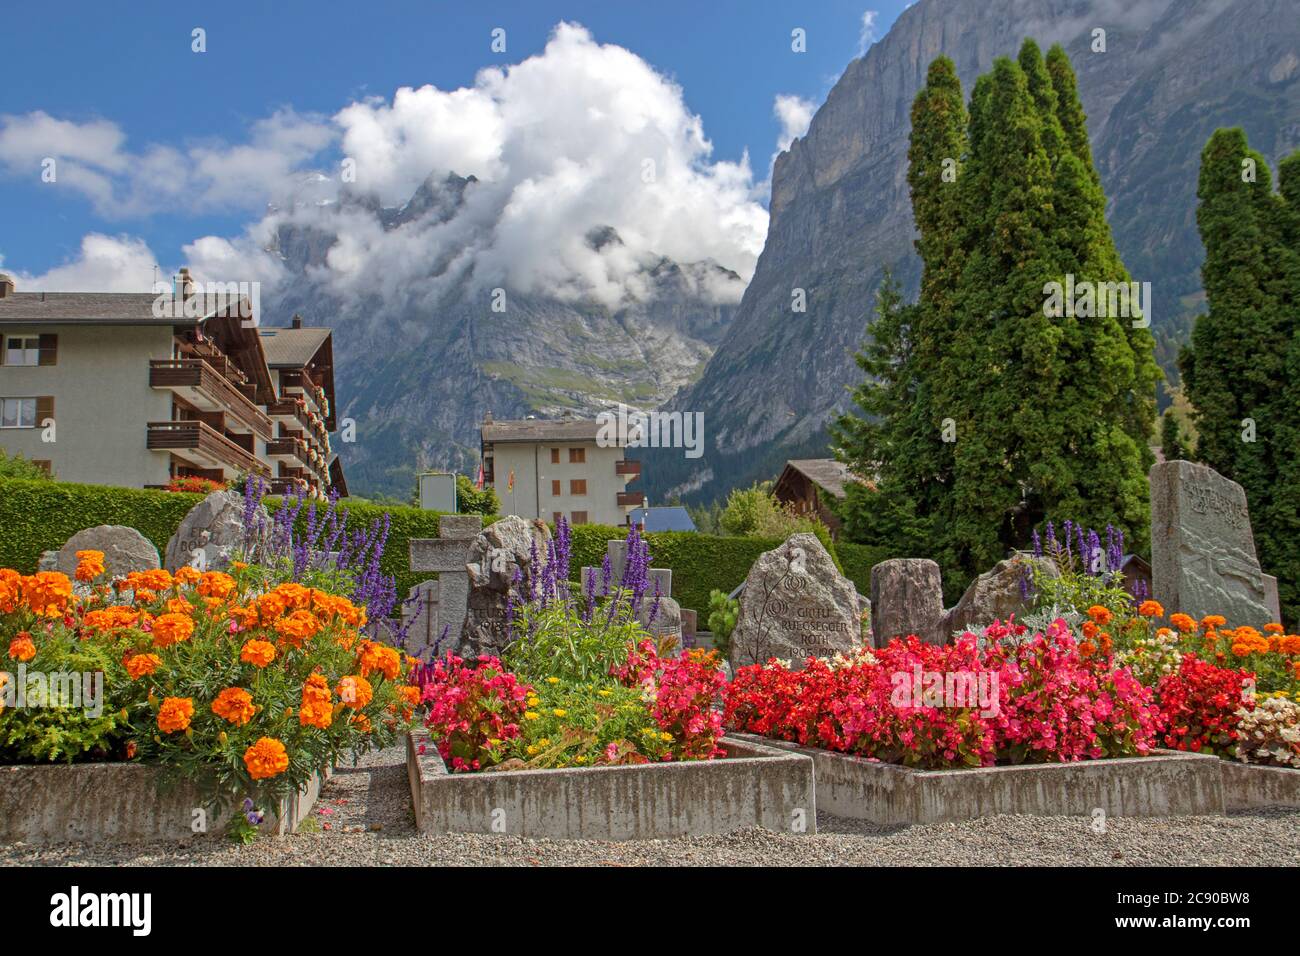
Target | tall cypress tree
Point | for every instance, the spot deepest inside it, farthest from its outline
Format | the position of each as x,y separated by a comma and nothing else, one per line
1239,369
1051,412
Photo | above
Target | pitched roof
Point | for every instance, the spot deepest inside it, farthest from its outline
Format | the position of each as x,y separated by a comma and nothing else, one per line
538,429
666,518
92,308
824,472
291,348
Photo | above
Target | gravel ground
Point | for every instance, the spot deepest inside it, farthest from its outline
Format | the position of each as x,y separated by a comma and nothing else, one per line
365,818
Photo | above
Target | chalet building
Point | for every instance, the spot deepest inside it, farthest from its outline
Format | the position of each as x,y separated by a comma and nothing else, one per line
548,469
809,484
98,388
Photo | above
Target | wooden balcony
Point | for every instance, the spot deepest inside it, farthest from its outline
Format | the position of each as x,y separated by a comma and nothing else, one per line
299,380
631,499
202,447
630,468
208,390
288,412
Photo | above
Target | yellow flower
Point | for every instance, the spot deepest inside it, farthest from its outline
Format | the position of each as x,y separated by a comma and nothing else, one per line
544,742
530,715
666,737
604,693
531,750
559,711
552,680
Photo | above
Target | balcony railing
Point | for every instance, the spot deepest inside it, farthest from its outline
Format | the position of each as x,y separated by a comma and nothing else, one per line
287,408
207,389
202,442
626,467
630,499
299,379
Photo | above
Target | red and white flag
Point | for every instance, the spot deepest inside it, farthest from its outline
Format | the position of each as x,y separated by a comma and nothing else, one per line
478,482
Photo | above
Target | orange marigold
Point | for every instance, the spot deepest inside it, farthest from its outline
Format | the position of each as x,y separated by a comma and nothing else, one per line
157,579
1290,644
257,653
1183,623
297,627
266,758
235,705
169,629
1099,614
1274,628
10,590
47,593
1089,629
361,722
1151,609
355,691
215,584
294,595
175,714
373,656
188,575
179,605
138,665
90,565
113,618
317,706
1211,621
21,647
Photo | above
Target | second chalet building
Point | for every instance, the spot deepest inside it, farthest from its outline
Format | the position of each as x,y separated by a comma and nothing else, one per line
96,388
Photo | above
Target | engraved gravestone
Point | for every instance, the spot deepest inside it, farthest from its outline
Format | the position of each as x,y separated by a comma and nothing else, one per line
495,554
212,532
1202,552
795,605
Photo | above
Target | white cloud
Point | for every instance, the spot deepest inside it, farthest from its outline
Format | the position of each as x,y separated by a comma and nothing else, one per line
795,113
104,264
867,32
581,136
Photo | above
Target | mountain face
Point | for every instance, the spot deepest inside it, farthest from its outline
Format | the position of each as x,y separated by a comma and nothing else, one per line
417,371
1172,72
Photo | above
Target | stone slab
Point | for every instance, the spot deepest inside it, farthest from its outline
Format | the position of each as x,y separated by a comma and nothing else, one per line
1248,786
1165,783
753,785
438,554
459,527
907,598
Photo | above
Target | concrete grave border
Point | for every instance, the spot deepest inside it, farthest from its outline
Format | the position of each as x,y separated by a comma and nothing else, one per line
754,785
121,802
1165,783
1248,786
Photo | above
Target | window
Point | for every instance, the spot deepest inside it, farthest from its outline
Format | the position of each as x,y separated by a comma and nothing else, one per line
22,350
555,456
556,516
579,517
577,456
17,413
42,463
578,486
555,487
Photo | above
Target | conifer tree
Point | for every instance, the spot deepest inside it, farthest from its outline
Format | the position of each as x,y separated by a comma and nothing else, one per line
1171,438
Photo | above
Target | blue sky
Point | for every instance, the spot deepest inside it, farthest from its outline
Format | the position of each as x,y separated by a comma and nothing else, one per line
136,75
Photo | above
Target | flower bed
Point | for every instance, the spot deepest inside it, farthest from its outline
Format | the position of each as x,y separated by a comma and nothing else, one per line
248,685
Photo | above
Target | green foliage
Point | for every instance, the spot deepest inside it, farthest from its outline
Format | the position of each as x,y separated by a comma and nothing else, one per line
591,716
16,466
472,501
38,516
1240,370
1172,445
554,641
982,413
723,612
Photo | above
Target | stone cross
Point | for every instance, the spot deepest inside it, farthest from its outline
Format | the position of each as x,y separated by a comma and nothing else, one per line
1202,551
447,555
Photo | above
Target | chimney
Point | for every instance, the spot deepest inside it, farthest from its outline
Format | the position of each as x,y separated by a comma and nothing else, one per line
7,287
185,285
297,321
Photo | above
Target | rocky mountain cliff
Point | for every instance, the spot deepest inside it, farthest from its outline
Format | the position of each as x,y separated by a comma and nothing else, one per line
1172,71
418,371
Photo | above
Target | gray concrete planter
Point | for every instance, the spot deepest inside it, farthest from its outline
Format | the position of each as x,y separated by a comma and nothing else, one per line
1247,786
120,802
753,785
1166,783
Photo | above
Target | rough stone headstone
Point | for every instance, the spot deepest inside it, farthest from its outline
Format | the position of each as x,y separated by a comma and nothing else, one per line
494,555
1203,557
444,606
906,598
996,595
125,550
211,533
795,605
690,624
1272,600
667,618
49,561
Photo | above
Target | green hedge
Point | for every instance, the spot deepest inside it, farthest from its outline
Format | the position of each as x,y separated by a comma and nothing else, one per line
38,516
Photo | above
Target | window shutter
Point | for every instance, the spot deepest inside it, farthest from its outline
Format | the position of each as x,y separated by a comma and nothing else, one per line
49,350
44,409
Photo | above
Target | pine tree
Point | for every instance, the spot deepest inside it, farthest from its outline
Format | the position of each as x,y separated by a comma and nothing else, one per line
1171,439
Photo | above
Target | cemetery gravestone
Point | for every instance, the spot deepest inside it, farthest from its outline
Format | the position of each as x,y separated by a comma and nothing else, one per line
211,533
906,598
1203,557
495,554
795,605
441,604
